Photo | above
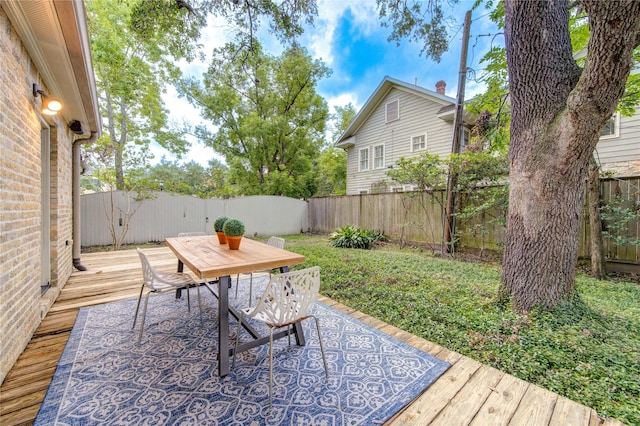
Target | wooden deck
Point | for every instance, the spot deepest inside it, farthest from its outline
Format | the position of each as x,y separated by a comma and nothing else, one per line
468,393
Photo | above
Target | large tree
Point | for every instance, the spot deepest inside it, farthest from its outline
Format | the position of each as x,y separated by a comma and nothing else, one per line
558,109
269,116
131,75
135,44
557,112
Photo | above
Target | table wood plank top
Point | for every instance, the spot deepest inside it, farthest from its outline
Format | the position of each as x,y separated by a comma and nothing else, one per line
207,258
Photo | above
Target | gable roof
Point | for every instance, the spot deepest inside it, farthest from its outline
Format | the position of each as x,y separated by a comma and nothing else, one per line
378,96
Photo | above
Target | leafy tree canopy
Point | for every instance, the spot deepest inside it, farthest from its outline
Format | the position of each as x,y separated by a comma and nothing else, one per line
270,119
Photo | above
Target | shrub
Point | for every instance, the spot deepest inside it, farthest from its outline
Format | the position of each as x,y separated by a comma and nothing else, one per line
377,236
233,228
219,223
354,237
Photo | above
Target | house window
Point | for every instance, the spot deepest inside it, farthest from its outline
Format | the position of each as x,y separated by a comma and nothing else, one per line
392,111
364,159
612,128
378,156
466,138
419,143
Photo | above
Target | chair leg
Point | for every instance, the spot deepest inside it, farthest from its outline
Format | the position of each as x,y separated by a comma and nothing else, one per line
324,360
144,316
271,368
135,317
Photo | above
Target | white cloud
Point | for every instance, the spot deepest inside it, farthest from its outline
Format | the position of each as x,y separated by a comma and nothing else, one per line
342,100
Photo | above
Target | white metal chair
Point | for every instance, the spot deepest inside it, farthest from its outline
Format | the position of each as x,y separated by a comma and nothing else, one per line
286,301
272,241
160,282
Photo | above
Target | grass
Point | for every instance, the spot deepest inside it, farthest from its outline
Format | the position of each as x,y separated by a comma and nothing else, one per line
587,350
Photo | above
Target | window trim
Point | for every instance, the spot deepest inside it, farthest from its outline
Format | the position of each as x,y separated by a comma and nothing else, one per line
375,166
616,127
397,112
412,145
360,151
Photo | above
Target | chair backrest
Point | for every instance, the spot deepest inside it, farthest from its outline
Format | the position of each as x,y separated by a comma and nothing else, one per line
148,273
276,242
289,296
191,234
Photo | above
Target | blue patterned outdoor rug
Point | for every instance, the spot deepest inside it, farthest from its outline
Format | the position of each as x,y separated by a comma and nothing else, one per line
171,378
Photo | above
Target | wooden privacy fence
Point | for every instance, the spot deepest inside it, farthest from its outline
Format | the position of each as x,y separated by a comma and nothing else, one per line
417,217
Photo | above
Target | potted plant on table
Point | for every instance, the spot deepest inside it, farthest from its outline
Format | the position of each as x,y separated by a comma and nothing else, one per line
234,230
218,225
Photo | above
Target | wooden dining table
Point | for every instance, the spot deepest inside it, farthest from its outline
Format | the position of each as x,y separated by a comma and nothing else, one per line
213,263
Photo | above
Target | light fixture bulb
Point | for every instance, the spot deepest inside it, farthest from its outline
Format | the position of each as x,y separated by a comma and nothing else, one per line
52,104
47,111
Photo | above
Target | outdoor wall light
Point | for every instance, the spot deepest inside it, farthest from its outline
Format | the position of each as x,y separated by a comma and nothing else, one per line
50,106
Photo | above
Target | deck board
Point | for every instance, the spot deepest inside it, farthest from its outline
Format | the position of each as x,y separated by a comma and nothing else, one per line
469,393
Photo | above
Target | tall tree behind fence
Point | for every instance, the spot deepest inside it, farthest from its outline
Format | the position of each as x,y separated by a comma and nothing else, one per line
169,214
417,217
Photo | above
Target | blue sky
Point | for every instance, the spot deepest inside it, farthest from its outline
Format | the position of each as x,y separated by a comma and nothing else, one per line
348,38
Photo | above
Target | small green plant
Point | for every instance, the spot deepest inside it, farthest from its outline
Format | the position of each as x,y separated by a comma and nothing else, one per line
219,223
376,236
233,228
354,237
620,216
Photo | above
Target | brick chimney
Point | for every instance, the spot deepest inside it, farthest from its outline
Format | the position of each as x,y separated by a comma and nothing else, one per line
440,86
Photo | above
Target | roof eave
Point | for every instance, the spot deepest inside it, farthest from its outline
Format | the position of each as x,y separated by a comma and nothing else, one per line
55,34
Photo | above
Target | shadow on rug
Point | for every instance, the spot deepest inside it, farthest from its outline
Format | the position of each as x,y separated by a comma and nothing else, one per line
171,378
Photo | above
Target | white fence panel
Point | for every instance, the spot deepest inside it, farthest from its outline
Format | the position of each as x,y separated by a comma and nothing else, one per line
169,214
269,215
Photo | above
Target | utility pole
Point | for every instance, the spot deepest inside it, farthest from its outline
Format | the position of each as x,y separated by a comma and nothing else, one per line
458,132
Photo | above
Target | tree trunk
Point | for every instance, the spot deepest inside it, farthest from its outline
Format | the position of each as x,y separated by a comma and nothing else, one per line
595,223
558,111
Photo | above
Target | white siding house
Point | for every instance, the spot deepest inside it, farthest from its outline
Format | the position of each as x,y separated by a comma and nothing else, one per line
398,120
403,120
618,150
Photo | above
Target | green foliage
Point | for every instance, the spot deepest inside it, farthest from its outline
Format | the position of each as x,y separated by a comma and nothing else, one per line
332,172
617,215
341,119
585,350
269,117
176,25
218,224
409,20
354,237
233,228
376,236
130,77
426,172
483,184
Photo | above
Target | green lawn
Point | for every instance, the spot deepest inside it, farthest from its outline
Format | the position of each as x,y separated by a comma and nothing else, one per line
588,351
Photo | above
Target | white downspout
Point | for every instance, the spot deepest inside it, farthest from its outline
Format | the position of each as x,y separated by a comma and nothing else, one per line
76,197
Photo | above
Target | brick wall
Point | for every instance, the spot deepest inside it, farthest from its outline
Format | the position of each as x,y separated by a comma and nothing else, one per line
21,304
